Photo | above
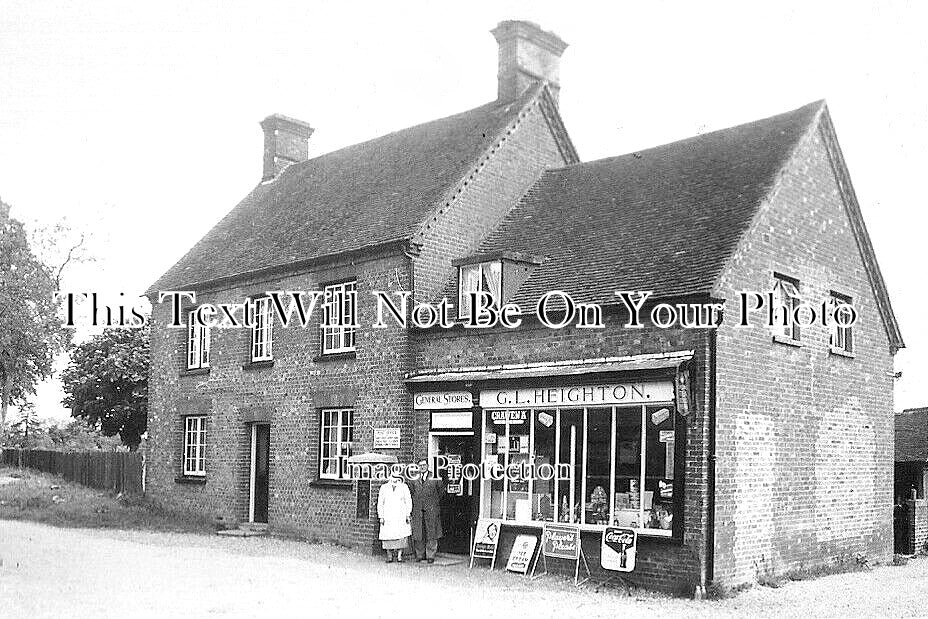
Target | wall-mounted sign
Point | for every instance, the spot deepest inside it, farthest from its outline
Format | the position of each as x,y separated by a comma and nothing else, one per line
386,438
523,549
617,550
452,420
586,395
561,541
442,400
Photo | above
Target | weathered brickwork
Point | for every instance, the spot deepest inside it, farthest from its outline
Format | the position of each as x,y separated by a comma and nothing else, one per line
289,395
524,151
675,567
804,436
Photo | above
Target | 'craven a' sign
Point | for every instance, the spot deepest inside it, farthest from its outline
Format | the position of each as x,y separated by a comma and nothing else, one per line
585,395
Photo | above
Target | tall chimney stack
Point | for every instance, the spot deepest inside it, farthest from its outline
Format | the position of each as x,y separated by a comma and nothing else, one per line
285,142
527,54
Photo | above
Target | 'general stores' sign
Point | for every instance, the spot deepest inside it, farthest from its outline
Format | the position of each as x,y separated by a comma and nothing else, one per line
432,400
587,395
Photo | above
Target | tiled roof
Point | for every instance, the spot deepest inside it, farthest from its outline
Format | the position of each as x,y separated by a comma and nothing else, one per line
360,196
664,219
912,435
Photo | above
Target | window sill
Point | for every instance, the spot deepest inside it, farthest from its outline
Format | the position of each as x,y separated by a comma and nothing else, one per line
195,372
190,480
257,365
840,352
337,356
332,483
782,339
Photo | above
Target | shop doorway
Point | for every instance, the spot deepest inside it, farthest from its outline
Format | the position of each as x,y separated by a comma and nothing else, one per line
459,501
260,477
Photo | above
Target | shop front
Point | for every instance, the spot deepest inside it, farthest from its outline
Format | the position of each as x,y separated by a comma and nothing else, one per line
588,449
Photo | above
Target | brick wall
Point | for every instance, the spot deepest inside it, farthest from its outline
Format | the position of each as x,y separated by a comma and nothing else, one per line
290,394
917,518
471,212
804,437
673,567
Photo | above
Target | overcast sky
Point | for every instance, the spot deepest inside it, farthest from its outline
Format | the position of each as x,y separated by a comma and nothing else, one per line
138,122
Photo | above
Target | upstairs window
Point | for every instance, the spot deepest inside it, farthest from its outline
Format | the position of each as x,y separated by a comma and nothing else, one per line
841,340
262,330
481,277
197,344
335,446
339,318
786,298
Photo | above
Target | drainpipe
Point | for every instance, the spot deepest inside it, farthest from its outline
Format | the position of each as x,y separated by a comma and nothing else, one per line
710,482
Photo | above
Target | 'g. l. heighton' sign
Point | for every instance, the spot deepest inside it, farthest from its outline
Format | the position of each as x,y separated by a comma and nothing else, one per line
432,400
586,395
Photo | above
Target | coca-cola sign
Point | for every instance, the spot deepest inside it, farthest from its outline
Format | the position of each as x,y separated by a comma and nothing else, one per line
617,550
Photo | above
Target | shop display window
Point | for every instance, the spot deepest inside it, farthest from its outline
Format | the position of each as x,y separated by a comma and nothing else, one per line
592,466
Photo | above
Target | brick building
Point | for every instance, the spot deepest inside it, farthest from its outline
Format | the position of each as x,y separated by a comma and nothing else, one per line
735,452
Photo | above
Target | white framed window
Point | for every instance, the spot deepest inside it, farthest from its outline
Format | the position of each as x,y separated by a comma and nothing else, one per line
195,445
197,344
339,317
841,339
335,442
262,330
594,466
786,298
481,277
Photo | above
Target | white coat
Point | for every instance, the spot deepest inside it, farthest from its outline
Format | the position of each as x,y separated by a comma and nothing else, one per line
394,506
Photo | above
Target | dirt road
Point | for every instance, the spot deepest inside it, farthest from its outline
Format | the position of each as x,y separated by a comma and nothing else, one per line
52,572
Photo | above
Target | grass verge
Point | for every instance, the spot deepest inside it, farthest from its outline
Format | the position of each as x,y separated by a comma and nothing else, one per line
31,495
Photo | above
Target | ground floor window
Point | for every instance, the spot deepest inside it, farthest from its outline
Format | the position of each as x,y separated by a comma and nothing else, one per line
585,465
195,445
337,435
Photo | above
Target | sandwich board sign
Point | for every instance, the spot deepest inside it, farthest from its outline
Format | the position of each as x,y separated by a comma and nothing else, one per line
486,540
523,549
562,541
617,550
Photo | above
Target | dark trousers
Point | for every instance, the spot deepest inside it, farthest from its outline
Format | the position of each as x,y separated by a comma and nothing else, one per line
425,547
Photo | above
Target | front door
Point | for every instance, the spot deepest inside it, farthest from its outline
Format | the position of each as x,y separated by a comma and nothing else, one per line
459,501
261,451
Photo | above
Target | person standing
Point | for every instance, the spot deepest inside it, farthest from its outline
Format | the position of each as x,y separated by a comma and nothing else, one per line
394,506
426,513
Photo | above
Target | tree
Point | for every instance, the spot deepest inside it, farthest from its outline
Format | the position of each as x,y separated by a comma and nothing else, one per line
28,432
106,382
31,334
76,435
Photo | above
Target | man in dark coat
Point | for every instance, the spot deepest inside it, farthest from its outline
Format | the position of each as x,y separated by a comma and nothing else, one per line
426,515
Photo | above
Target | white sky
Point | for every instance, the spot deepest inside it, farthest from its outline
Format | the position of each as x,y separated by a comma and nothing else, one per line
138,122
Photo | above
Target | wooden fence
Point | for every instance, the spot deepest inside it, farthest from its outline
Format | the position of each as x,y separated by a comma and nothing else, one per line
119,471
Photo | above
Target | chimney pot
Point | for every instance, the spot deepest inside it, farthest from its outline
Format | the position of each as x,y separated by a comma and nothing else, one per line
285,142
527,54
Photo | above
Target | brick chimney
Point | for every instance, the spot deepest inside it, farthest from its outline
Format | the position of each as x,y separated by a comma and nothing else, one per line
285,142
527,54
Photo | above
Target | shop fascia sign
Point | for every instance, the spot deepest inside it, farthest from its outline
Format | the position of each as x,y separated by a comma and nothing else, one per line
442,400
585,395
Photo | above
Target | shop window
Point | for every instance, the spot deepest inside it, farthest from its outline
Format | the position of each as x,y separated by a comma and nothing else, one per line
841,339
592,466
340,318
786,298
482,277
195,445
336,438
262,331
197,344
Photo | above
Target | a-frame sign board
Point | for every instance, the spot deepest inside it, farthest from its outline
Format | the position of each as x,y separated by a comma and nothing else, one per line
562,541
485,541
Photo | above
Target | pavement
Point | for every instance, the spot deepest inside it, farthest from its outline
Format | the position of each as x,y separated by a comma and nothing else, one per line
56,572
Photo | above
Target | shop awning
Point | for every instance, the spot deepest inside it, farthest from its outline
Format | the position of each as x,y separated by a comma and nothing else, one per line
559,368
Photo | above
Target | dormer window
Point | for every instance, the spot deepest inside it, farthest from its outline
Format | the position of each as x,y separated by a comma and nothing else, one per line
480,277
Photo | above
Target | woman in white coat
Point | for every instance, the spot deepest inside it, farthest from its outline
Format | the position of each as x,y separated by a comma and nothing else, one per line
394,507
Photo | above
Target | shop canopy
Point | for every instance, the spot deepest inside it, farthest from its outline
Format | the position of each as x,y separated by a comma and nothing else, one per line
577,367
